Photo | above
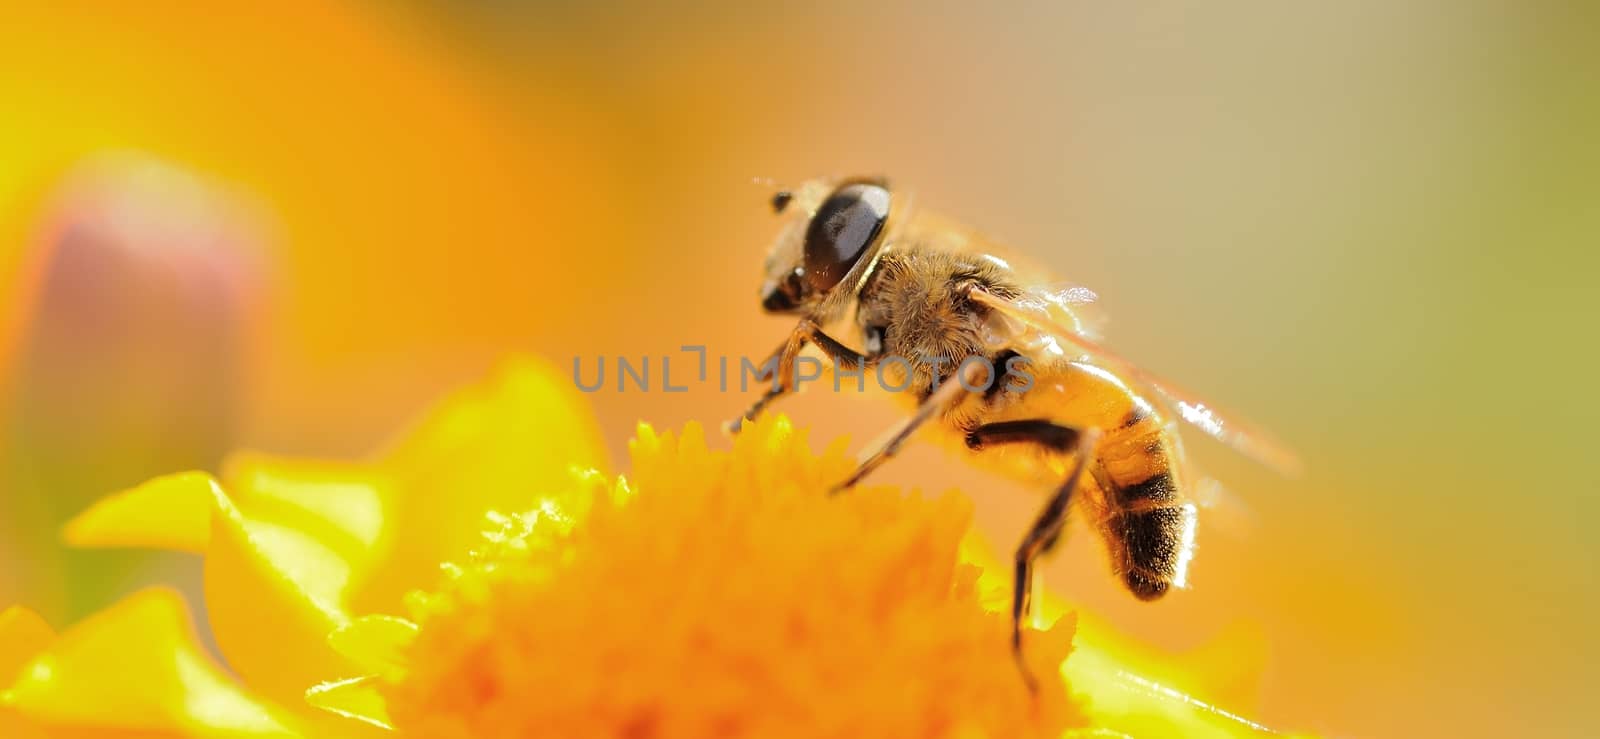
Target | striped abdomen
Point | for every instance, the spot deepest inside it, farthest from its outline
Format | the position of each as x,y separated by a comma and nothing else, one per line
1136,498
1147,524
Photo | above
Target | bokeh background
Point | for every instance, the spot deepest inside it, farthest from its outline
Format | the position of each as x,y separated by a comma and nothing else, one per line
1371,226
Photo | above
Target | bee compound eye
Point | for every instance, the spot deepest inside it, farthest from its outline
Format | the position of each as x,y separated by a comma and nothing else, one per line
841,230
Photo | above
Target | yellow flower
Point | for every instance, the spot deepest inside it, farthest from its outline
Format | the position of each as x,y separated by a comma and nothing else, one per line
719,594
710,593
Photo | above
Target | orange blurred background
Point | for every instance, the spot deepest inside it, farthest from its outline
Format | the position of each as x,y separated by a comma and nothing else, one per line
1369,226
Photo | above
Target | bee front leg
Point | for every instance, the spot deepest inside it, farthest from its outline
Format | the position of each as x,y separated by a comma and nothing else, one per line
782,362
780,386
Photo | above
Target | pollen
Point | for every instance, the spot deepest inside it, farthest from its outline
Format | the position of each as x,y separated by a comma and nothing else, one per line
724,594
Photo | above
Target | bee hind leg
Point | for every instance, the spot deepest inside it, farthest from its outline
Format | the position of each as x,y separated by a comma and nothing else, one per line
1052,519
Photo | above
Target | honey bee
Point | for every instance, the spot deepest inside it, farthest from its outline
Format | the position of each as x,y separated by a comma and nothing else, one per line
999,361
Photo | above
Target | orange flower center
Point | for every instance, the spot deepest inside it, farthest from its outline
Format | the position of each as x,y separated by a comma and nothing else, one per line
722,594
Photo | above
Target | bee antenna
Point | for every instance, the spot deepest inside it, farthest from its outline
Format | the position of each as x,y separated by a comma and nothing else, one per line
781,195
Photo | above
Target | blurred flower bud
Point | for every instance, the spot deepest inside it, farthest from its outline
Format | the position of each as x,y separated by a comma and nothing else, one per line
129,363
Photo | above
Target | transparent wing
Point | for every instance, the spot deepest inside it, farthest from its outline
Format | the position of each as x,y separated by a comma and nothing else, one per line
1070,304
1225,511
1196,412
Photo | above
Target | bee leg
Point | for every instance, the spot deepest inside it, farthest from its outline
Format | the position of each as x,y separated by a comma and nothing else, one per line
780,385
1047,527
945,396
842,356
737,424
782,362
1047,434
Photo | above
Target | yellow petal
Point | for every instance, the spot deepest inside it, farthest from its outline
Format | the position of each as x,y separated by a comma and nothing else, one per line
1138,706
136,667
508,444
22,636
284,548
1114,674
343,506
170,512
1141,692
290,546
274,592
376,644
526,406
356,698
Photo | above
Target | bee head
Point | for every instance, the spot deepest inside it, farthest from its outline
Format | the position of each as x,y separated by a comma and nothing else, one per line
832,225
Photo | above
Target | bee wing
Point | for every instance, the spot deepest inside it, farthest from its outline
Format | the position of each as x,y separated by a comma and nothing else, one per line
1225,510
1067,293
1071,304
1203,415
